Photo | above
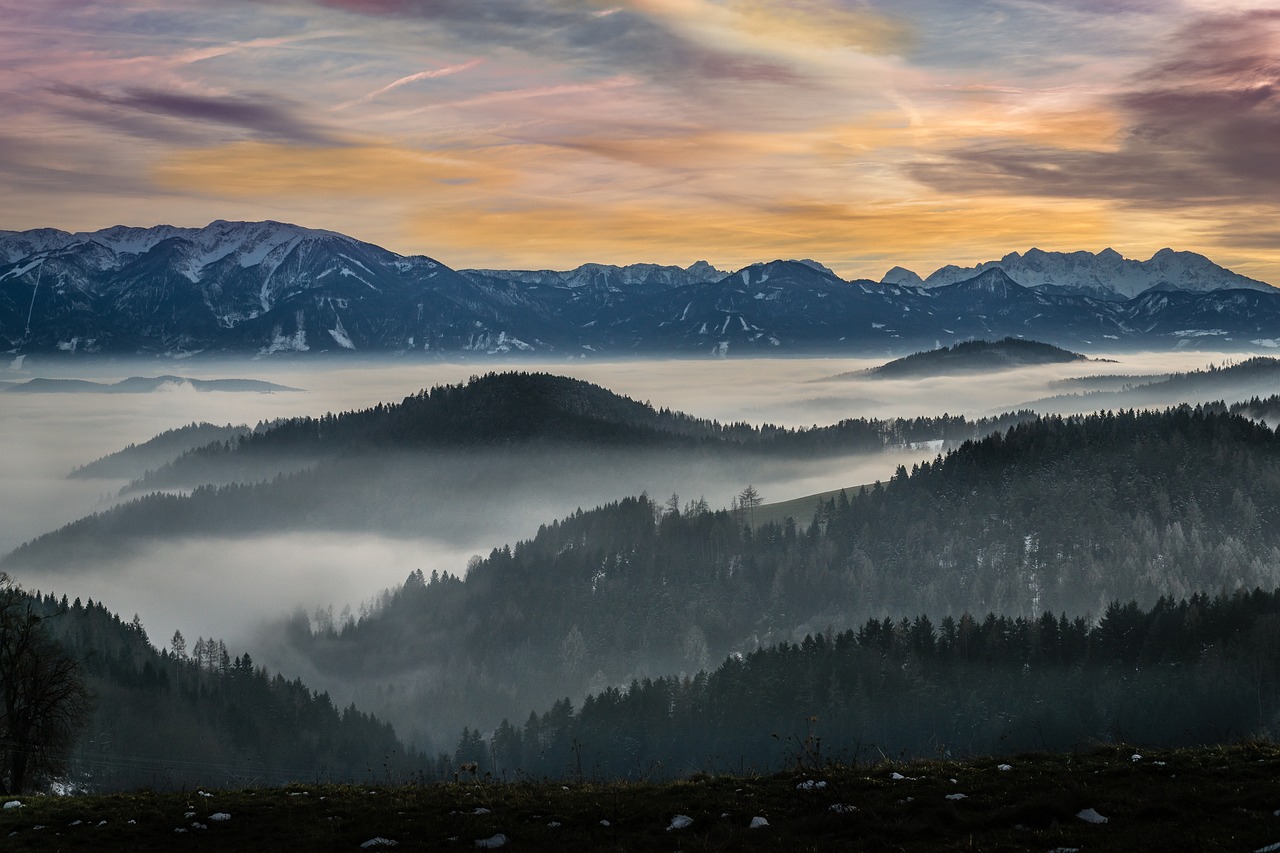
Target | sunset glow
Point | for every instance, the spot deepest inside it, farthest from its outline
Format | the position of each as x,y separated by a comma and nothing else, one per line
548,133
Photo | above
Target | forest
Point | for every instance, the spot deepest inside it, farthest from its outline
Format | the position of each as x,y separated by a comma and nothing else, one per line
1057,514
1043,522
440,457
180,718
1199,670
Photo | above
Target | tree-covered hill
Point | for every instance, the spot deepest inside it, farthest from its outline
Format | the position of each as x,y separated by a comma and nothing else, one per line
973,357
1200,670
438,460
182,717
1054,514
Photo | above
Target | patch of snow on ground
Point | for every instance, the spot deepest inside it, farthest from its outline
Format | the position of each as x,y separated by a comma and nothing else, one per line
758,822
380,842
481,810
13,804
680,821
340,336
957,796
842,808
219,816
1005,767
1090,816
810,785
603,822
491,843
1135,757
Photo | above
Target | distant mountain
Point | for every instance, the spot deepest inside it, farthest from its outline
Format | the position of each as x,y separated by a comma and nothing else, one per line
1254,377
975,356
144,385
269,289
1105,275
608,278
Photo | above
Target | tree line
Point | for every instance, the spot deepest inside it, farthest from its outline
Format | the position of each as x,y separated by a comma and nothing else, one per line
1200,670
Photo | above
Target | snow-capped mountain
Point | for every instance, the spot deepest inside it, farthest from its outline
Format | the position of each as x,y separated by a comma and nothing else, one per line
606,277
1105,275
263,288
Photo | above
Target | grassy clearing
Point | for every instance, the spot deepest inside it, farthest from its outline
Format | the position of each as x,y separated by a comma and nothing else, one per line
1217,798
801,509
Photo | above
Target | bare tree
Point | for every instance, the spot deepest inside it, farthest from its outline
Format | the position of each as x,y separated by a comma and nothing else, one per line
43,701
748,500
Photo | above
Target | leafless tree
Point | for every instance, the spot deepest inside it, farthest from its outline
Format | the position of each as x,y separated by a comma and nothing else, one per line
43,700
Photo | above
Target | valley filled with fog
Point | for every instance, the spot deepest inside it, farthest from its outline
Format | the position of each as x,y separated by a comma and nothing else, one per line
230,586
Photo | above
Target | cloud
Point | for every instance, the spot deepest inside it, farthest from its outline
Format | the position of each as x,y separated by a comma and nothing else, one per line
1200,128
412,78
645,37
262,170
263,116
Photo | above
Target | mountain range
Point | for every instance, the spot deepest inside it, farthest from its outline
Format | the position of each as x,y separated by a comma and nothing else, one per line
266,288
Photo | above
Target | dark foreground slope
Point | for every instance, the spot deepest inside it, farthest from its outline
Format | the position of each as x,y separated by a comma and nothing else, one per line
1108,799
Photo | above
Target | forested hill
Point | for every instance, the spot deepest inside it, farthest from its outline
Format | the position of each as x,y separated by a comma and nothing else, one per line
973,357
1054,514
435,461
1200,670
183,717
540,409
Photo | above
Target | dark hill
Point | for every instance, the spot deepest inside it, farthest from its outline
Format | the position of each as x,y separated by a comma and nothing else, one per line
204,714
974,357
1254,377
1171,503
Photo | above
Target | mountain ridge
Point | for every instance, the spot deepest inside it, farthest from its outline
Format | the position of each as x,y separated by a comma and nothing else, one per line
276,289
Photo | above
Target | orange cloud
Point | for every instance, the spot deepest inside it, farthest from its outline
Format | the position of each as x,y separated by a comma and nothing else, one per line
270,171
855,241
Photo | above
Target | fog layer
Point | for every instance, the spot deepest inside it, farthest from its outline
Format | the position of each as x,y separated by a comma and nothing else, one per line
222,587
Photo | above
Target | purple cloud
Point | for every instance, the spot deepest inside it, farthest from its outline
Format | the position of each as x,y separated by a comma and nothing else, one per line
1203,127
262,116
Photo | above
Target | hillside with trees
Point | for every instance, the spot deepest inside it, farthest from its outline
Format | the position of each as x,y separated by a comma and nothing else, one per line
1057,514
1199,670
136,716
434,462
973,357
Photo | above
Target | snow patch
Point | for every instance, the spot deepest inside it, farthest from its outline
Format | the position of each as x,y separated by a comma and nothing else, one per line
1090,816
339,334
758,822
680,821
493,842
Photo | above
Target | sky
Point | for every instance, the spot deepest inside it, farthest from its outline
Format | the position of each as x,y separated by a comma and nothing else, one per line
547,133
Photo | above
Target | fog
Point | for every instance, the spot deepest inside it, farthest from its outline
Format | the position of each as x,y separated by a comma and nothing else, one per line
225,587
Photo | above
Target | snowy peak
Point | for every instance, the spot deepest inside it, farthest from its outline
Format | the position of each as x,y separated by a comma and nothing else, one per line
608,277
992,281
1106,275
901,277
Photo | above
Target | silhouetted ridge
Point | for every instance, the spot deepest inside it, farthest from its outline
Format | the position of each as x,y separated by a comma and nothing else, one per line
976,356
